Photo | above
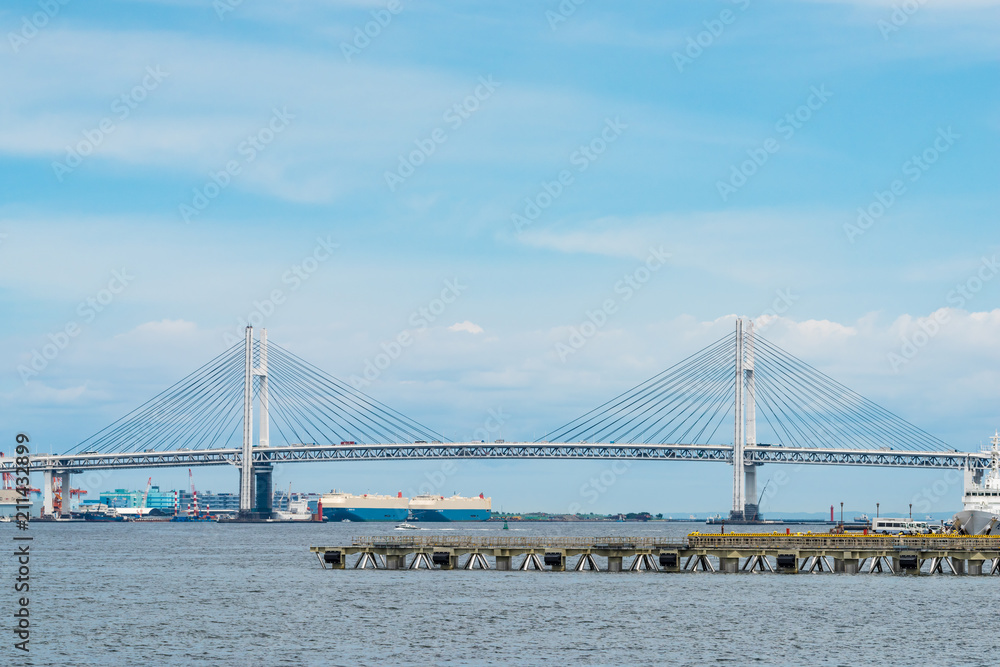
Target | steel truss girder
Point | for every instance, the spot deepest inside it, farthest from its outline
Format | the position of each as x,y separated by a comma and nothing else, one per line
522,450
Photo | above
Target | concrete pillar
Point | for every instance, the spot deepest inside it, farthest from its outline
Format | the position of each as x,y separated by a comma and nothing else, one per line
729,565
847,565
394,562
264,496
959,565
65,484
975,567
48,498
503,562
750,509
614,563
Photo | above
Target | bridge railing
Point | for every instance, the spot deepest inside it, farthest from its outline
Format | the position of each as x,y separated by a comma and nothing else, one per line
844,541
518,542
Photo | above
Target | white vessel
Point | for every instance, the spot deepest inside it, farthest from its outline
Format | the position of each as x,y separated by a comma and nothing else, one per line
298,510
981,515
9,498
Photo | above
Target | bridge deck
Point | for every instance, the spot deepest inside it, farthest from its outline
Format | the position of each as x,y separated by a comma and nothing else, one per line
305,453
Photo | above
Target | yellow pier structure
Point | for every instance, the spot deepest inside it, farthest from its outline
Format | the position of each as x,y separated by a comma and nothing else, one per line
730,553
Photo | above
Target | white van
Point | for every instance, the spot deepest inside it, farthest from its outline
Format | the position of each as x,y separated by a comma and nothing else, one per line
891,526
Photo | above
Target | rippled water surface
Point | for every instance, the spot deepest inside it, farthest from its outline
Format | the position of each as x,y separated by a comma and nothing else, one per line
172,594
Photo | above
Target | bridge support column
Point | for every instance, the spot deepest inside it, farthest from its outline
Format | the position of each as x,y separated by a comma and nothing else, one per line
503,562
975,567
264,482
48,498
64,493
729,565
614,563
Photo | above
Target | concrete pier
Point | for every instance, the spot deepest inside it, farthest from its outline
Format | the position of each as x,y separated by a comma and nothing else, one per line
730,553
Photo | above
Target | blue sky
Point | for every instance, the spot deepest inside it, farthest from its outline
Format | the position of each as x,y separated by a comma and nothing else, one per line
204,154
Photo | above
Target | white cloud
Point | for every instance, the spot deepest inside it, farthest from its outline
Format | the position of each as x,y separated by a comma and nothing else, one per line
466,326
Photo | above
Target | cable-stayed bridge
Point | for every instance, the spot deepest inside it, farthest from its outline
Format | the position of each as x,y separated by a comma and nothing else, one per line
741,398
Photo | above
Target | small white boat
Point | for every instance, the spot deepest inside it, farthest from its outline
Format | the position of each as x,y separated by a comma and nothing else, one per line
407,526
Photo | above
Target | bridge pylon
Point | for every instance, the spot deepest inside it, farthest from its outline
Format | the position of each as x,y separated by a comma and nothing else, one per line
744,427
256,480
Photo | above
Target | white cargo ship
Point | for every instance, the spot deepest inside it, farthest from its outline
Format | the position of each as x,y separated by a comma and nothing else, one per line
456,508
981,515
339,506
9,499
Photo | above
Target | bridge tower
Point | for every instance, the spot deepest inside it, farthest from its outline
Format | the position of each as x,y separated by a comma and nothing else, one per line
739,493
255,479
745,426
750,508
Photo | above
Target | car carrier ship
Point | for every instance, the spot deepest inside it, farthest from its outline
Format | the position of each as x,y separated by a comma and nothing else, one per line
456,508
339,506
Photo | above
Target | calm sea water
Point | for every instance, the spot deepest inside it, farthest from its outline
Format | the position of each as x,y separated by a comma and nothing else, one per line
208,594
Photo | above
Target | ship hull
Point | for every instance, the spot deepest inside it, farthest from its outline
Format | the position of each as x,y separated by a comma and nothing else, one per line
365,513
977,522
450,515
